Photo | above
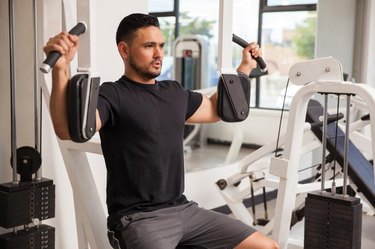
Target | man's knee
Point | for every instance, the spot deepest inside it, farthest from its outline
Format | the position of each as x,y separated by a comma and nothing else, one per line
258,241
274,244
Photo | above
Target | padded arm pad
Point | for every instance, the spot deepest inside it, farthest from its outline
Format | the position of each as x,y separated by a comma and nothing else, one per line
83,93
233,93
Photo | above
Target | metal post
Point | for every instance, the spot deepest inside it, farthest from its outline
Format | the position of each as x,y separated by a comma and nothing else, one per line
12,90
37,91
324,140
346,146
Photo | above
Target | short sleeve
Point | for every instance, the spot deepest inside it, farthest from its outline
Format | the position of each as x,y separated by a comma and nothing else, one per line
194,101
107,104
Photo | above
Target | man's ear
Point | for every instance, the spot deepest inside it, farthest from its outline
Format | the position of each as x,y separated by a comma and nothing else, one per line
123,49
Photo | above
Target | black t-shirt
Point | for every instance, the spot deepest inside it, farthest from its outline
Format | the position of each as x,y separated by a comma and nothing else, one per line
142,143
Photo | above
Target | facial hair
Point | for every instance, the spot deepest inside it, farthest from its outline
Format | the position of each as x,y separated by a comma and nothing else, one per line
144,72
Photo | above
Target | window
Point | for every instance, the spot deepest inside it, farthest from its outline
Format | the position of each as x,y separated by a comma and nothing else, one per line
168,27
187,19
245,25
285,29
202,21
160,6
287,36
167,13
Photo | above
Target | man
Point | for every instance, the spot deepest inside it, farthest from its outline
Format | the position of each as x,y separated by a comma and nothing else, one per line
141,122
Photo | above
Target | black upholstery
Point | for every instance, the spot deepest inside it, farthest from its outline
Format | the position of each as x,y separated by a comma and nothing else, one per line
82,89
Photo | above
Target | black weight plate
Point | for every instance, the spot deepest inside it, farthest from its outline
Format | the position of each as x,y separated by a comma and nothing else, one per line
29,160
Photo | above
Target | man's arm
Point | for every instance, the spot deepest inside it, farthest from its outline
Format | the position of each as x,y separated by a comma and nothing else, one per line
58,102
67,45
207,111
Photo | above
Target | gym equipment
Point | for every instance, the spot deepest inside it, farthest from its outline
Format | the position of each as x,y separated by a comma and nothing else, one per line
360,170
23,203
191,66
333,220
262,65
53,56
42,237
29,161
83,92
191,69
28,200
252,198
233,97
287,166
265,220
323,75
90,216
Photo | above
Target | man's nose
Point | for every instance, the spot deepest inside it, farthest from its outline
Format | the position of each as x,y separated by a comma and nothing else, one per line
158,52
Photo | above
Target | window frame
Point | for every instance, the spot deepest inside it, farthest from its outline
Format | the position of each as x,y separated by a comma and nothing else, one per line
265,8
175,13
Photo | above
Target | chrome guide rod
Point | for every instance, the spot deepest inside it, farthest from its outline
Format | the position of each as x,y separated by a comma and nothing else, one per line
346,146
37,92
12,90
324,140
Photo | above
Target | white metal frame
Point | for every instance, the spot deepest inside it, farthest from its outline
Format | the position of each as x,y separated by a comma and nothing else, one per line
286,167
89,213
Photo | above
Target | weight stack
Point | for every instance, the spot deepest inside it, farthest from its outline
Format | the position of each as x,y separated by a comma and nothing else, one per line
21,203
332,221
42,237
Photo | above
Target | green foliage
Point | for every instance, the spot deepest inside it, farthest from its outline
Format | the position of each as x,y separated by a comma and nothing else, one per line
196,26
304,39
188,25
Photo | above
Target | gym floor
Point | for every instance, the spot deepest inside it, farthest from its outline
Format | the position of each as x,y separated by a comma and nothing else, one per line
214,155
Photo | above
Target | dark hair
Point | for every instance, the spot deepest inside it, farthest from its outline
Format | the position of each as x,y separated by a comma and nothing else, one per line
131,23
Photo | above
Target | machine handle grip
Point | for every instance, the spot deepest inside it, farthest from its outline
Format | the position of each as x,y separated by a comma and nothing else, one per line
244,44
53,56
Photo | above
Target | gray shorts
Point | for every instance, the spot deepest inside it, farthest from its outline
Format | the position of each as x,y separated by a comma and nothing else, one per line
185,226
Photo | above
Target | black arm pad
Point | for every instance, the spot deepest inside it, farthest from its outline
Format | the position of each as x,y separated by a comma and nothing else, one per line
233,93
83,93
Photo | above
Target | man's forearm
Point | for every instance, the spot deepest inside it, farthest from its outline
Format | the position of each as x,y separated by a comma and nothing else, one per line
213,100
58,102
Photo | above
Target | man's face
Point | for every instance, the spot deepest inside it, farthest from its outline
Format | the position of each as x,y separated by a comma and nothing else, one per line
146,52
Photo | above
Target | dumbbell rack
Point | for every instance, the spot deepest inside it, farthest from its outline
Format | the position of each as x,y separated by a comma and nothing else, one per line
26,202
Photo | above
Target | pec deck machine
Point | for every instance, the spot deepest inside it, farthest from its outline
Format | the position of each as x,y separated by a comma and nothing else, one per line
324,218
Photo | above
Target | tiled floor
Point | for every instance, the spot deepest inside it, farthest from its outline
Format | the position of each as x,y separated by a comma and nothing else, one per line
214,156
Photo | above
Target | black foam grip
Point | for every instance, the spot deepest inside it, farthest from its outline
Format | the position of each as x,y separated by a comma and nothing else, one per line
244,44
53,56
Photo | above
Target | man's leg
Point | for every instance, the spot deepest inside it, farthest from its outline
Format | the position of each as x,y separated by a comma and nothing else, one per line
213,230
160,229
257,241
